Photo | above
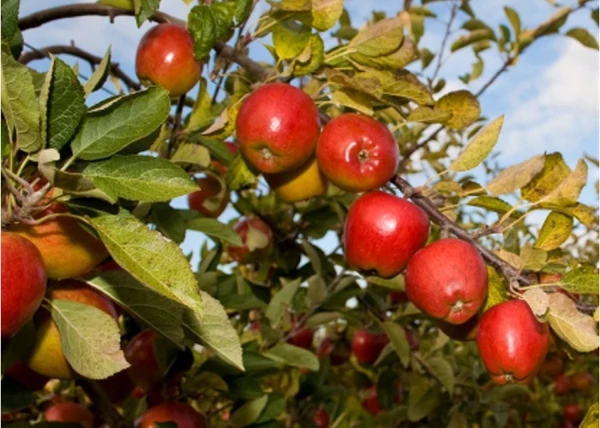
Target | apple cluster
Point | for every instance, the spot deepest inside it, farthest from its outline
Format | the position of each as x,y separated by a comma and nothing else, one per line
278,131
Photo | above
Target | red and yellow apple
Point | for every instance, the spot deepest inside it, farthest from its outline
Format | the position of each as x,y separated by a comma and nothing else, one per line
23,282
165,57
70,412
277,127
182,414
447,280
382,232
144,370
212,198
257,241
357,153
512,342
303,183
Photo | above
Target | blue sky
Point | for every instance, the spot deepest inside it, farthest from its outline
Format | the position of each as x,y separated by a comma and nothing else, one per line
550,99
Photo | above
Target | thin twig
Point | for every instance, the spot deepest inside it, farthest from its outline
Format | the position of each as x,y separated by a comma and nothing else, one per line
438,66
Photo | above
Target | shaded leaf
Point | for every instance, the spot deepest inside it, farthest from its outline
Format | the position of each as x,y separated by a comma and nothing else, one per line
580,281
442,370
239,174
572,326
533,258
214,228
194,154
99,76
555,171
282,300
515,177
426,114
399,341
89,338
290,38
311,58
15,395
496,289
293,356
479,148
249,412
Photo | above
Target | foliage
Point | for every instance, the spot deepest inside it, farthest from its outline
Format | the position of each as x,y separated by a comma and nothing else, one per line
118,164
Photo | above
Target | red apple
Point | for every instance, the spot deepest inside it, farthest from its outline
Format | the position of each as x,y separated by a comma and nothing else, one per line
23,282
447,280
553,366
321,418
212,198
337,351
302,338
382,232
371,400
182,414
277,127
257,241
357,153
512,342
573,413
117,387
583,381
562,384
367,346
70,412
165,57
144,370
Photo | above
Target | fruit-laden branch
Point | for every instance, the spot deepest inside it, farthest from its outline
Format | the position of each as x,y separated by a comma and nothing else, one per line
80,53
39,18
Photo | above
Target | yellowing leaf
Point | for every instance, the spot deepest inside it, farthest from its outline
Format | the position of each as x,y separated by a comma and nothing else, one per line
290,38
568,191
491,204
354,99
464,107
496,289
426,114
511,258
584,213
580,281
572,326
583,36
533,258
396,60
556,229
555,171
516,176
325,13
382,38
479,148
537,300
400,84
591,417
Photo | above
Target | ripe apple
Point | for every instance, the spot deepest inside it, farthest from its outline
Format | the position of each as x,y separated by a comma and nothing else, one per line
357,153
165,57
562,384
464,332
47,357
583,381
299,184
338,351
367,346
67,248
277,127
24,375
371,400
382,232
182,414
321,418
573,413
23,282
512,342
212,198
447,280
257,241
302,338
70,412
553,366
144,370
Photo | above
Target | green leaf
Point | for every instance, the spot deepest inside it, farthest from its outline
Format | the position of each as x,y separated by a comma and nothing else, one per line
19,346
10,26
594,14
322,318
168,221
513,18
442,371
15,395
325,13
580,281
472,37
274,408
572,326
249,412
317,290
293,356
515,177
290,37
202,114
533,258
479,148
144,9
354,99
223,14
242,11
399,341
282,300
555,171
99,76
161,314
381,38
214,228
89,338
239,174
584,213
311,58
395,283
426,114
110,128
140,178
464,107
422,399
555,231
215,331
567,192
202,26
19,103
496,289
151,258
191,154
583,36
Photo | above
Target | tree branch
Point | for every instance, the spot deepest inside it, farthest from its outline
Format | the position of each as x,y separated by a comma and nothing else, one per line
100,401
80,53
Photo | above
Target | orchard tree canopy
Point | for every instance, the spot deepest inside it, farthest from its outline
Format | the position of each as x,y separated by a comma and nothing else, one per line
366,260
